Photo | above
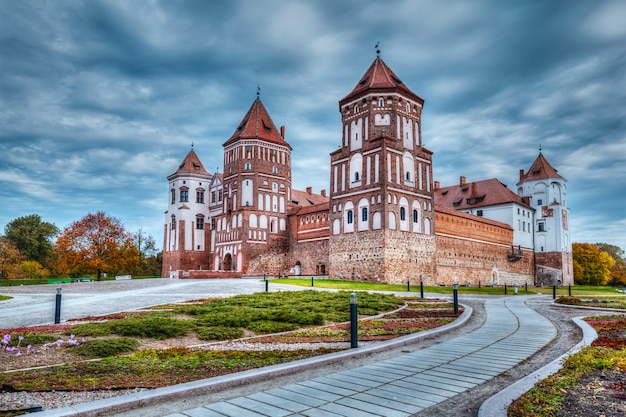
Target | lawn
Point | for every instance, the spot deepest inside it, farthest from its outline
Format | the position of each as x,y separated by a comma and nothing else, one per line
152,348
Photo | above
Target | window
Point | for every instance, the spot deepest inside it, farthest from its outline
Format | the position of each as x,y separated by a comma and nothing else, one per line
173,222
349,216
212,196
356,108
356,177
402,214
275,170
200,223
408,175
173,196
212,223
184,196
541,227
200,197
247,166
415,216
479,213
540,202
364,214
219,195
381,102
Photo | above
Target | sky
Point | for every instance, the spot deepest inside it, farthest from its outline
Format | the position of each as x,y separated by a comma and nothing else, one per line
101,100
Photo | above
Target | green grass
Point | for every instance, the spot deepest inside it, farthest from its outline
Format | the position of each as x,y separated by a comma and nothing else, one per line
5,297
415,287
101,348
581,290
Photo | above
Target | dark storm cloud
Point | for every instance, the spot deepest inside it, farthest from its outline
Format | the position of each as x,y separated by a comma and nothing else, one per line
101,100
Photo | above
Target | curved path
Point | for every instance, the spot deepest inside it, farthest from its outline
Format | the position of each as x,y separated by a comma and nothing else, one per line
408,383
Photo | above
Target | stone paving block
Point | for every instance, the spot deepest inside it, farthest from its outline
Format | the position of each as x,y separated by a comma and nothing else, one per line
372,408
455,376
413,397
426,388
333,389
397,403
299,397
446,385
259,407
201,412
281,402
342,382
370,376
347,411
232,410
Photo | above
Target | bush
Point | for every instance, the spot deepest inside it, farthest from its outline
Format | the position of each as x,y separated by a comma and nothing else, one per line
154,327
263,327
569,301
91,329
219,333
101,348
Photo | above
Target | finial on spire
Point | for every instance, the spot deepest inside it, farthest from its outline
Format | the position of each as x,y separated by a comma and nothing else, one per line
191,145
377,48
540,148
258,91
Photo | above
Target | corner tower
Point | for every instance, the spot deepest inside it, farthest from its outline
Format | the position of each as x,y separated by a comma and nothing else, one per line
256,190
381,203
547,191
186,240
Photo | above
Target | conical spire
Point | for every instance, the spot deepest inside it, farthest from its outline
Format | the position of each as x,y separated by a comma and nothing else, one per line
541,169
380,77
257,124
191,165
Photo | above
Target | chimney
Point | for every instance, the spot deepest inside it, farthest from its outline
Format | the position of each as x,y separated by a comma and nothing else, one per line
309,190
474,190
521,174
323,193
462,181
437,185
282,132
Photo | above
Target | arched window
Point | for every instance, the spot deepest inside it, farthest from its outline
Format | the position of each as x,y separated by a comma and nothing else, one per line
356,108
381,102
173,196
349,217
364,214
402,214
408,175
356,177
415,216
408,108
275,169
173,222
248,166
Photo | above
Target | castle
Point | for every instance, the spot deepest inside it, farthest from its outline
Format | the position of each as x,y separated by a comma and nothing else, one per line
384,218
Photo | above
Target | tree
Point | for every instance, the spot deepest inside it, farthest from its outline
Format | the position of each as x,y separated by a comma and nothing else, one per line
95,244
32,237
149,259
591,265
9,258
31,269
616,252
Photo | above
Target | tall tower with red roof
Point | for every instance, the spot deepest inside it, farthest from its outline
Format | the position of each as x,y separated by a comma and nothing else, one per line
381,207
547,192
251,232
186,239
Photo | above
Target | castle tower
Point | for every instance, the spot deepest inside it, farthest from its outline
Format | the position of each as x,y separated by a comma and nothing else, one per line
256,190
381,206
547,191
186,240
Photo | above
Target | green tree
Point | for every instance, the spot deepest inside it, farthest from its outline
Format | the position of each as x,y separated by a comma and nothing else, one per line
149,259
31,269
618,271
616,252
32,237
591,265
95,244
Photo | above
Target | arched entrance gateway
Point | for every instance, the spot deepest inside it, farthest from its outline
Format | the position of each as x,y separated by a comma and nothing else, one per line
227,263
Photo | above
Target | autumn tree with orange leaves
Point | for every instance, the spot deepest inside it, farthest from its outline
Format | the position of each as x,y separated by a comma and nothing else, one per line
95,244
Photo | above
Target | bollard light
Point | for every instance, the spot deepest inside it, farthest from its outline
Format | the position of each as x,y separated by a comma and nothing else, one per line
421,287
354,330
57,307
455,298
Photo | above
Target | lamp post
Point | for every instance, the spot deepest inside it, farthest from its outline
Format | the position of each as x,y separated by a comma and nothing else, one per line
354,328
421,287
57,308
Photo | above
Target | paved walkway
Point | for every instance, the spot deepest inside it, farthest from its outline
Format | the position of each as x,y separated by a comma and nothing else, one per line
408,383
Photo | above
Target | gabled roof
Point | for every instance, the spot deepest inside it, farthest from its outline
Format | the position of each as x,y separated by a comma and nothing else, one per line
479,193
191,165
257,124
540,169
305,198
380,77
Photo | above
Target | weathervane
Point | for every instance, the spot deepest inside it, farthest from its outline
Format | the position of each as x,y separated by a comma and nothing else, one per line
377,48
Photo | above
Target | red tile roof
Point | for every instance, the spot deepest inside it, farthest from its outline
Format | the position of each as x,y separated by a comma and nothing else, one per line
380,77
191,165
304,198
479,193
257,124
540,169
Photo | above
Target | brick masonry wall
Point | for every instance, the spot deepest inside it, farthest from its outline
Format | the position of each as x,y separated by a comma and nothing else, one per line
557,260
311,256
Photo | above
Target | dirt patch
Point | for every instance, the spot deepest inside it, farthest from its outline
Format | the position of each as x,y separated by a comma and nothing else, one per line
599,394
